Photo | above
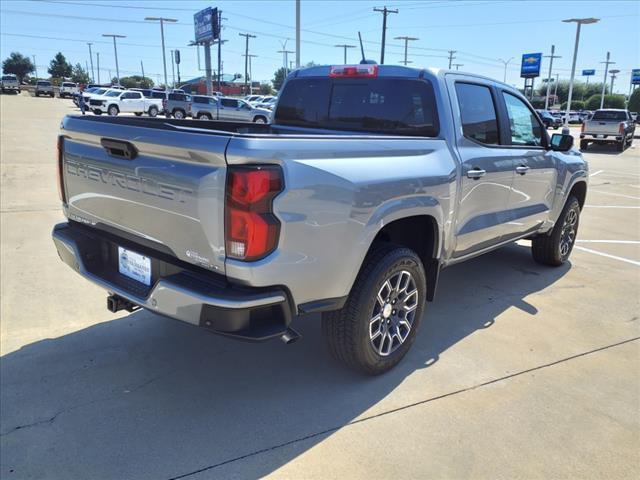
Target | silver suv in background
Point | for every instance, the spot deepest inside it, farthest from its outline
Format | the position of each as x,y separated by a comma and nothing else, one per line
44,87
177,105
10,84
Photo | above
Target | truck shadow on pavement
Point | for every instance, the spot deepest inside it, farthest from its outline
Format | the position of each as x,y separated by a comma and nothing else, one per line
148,397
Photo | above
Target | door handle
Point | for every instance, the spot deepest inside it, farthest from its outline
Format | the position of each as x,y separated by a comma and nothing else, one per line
476,173
522,169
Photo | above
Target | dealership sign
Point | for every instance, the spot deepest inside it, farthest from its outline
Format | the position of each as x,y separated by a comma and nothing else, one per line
588,73
531,65
635,76
206,25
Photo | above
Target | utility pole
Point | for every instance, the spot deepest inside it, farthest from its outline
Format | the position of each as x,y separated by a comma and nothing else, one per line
452,58
98,69
458,65
550,57
35,66
246,36
173,70
219,50
604,82
385,11
555,90
297,34
579,22
345,46
86,65
613,78
115,51
504,80
285,60
93,78
164,59
142,68
406,43
251,74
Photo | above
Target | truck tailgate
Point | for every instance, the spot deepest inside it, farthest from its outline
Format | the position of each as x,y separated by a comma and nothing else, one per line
171,193
606,127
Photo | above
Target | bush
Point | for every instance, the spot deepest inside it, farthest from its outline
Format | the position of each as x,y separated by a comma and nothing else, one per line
634,101
575,105
610,101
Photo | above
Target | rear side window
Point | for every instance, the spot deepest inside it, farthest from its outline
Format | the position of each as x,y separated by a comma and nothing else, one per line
394,106
157,94
200,100
228,102
478,113
525,128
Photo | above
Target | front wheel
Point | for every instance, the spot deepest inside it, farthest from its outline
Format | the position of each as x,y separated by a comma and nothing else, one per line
179,114
620,145
113,110
260,120
554,249
153,111
584,144
204,116
97,112
378,323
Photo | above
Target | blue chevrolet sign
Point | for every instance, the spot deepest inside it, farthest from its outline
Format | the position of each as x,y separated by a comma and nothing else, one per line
205,23
531,65
588,73
635,76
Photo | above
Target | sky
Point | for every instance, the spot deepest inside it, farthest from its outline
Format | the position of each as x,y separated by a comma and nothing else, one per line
481,33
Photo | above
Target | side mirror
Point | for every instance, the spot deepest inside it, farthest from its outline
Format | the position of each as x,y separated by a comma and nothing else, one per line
561,142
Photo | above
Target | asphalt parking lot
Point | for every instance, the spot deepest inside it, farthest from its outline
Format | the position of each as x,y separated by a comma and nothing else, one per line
519,370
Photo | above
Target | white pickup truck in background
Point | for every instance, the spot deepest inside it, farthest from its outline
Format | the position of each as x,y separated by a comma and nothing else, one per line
608,126
10,83
125,101
68,89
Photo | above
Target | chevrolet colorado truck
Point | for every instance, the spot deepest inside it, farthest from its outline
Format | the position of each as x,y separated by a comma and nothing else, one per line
608,126
370,180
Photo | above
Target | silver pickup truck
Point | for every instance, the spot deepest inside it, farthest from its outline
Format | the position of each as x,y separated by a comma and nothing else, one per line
608,126
370,180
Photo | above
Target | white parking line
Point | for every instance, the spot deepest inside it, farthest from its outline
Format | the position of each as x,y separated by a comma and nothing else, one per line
612,206
615,194
626,260
596,173
631,242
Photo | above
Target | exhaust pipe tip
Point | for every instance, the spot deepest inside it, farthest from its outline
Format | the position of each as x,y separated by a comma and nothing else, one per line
290,336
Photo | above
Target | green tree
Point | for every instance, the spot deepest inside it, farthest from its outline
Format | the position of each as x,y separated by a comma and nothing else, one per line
136,81
575,105
80,75
581,91
59,67
18,64
610,101
278,78
265,89
634,101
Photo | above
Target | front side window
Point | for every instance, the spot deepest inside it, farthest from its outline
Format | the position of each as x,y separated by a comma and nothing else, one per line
525,128
478,113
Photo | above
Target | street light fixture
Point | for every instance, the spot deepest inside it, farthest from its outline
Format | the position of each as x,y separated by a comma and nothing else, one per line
164,58
115,51
579,22
613,77
506,62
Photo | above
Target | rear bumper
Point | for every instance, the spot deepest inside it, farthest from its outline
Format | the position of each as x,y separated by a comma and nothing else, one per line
178,290
601,137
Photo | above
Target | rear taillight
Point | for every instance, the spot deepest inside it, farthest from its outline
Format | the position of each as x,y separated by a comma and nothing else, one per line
251,228
621,129
354,71
60,170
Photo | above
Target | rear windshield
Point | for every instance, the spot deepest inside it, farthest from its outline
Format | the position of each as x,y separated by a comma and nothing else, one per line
45,84
393,106
604,115
8,77
68,84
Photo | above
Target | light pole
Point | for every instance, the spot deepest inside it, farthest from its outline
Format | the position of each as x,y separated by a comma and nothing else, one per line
173,71
246,36
115,51
406,43
164,59
613,78
550,57
579,22
506,62
344,46
555,88
604,82
93,78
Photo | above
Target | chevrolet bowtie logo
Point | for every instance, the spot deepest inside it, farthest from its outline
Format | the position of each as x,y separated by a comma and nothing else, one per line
530,60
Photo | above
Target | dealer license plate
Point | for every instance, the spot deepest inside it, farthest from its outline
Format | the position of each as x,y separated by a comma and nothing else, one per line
134,265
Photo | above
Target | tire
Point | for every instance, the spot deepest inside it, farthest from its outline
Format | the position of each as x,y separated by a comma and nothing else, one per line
138,114
52,94
153,111
37,94
620,146
554,249
259,119
179,115
347,331
97,112
113,110
584,144
204,116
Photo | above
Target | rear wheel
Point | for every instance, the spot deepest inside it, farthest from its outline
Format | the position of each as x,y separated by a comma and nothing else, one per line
620,145
260,119
378,323
138,114
204,116
153,111
37,94
554,249
97,112
584,144
179,114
